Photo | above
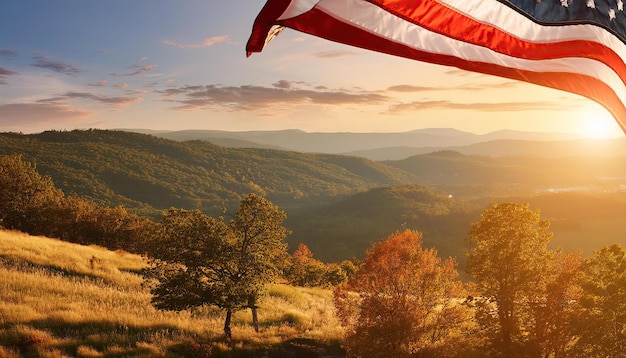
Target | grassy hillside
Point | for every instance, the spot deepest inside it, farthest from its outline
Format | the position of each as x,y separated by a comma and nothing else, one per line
65,300
147,173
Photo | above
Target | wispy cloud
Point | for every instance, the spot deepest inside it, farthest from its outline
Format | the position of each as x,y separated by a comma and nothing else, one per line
122,85
100,83
116,101
411,88
138,70
39,116
333,54
482,107
8,53
249,98
210,41
478,87
56,66
5,73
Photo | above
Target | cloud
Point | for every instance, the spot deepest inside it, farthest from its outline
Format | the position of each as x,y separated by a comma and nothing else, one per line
482,107
410,88
333,54
5,73
250,98
8,53
210,41
122,85
56,66
38,116
282,84
480,87
138,70
115,101
100,83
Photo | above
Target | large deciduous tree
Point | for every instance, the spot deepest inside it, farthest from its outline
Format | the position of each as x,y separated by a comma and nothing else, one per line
511,263
25,195
404,301
199,260
602,320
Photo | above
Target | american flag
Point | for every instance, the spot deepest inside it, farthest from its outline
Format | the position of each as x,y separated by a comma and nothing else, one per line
577,46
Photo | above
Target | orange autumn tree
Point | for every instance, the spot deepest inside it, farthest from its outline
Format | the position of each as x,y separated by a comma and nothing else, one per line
404,301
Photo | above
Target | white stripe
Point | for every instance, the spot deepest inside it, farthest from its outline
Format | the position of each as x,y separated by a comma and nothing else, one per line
508,20
297,7
377,21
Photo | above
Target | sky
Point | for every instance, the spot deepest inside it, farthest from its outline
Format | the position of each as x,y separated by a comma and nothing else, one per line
175,65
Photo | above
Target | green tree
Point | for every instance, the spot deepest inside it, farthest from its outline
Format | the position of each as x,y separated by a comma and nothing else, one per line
602,321
510,261
24,195
259,247
403,302
199,260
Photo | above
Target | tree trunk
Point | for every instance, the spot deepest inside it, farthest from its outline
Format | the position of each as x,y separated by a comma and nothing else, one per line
507,324
255,317
227,332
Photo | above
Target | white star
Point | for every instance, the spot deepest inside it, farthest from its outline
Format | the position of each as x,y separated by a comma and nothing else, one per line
591,4
564,3
611,14
620,5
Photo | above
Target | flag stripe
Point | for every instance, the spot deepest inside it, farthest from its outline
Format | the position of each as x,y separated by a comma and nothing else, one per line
436,17
484,36
499,15
330,27
395,30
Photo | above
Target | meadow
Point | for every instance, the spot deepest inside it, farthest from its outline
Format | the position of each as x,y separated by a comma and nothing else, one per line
59,299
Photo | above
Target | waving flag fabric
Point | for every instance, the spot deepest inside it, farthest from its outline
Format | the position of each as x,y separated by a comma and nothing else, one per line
573,45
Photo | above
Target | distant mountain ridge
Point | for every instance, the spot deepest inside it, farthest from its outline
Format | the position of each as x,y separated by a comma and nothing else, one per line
509,147
368,145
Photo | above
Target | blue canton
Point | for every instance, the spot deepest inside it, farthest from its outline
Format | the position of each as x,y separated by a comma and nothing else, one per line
608,14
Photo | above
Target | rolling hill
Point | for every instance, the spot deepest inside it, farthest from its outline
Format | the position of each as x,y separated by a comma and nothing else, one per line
337,205
149,174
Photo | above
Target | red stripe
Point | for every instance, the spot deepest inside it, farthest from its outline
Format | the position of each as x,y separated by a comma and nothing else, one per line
441,19
318,23
263,23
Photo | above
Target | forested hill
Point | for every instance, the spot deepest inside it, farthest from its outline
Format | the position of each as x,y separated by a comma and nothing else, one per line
146,173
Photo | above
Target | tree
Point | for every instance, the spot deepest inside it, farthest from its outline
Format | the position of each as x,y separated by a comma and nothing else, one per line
510,261
304,270
259,246
199,260
602,321
403,301
24,195
553,326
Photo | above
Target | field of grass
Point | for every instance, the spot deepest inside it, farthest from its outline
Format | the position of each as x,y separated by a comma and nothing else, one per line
64,300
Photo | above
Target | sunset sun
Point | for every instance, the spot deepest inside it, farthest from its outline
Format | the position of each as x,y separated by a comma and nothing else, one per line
599,124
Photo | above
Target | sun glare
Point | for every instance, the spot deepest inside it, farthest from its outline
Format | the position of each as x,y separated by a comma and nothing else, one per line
599,124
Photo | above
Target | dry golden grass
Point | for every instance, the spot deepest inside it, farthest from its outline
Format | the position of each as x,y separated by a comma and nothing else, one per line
65,300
